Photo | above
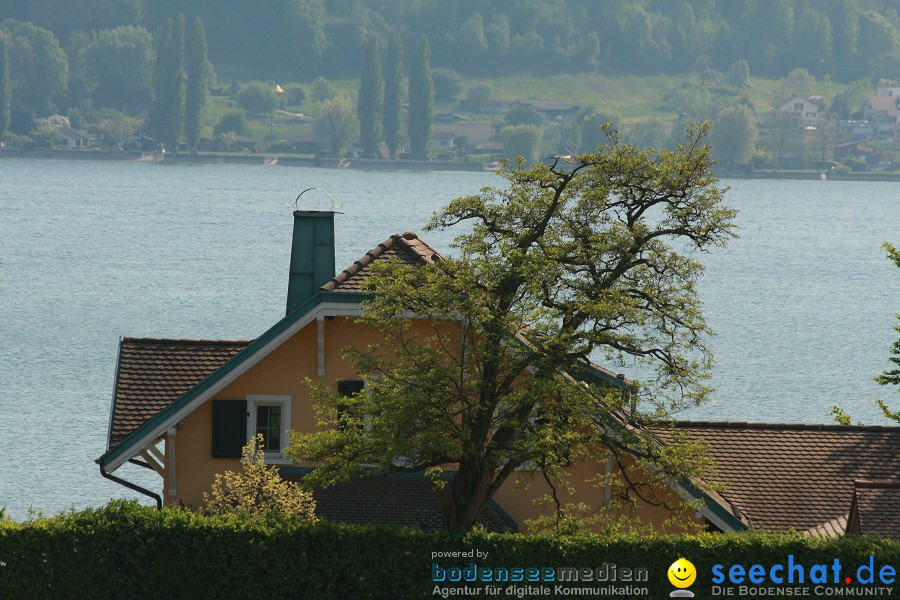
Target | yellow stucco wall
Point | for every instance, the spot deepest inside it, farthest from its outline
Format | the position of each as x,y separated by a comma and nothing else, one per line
283,372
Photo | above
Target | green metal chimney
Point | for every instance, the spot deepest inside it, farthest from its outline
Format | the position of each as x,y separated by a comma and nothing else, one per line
312,255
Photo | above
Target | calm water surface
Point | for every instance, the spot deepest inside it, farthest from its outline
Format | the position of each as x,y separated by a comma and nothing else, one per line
803,301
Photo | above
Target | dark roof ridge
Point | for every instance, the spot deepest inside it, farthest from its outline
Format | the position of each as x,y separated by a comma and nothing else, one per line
409,241
181,341
780,426
885,484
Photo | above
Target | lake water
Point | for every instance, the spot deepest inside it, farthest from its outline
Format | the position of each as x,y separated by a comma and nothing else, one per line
803,302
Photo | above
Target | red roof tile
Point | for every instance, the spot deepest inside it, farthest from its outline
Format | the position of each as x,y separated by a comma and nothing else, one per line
153,373
406,247
876,508
781,476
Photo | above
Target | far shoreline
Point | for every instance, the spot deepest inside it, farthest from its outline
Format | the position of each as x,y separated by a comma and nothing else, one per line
385,164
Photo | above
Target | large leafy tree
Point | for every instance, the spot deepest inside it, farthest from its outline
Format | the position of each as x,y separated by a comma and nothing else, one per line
119,63
5,90
336,125
892,377
197,83
168,80
588,257
369,100
734,135
393,86
39,67
421,102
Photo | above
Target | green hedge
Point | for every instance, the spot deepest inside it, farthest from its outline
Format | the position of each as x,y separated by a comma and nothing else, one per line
129,551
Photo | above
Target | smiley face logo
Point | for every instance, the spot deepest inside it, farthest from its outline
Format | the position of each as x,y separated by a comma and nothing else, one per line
682,573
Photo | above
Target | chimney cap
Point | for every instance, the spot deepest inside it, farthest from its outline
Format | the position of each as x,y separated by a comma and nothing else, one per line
334,204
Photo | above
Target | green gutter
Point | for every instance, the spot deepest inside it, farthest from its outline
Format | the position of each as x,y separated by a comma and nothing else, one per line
237,360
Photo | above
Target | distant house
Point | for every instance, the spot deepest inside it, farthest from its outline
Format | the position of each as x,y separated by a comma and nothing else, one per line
443,141
308,145
72,138
856,150
857,130
805,111
882,109
488,148
890,92
446,117
552,109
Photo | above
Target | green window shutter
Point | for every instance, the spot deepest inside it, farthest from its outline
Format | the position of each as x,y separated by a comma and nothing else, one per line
348,388
229,428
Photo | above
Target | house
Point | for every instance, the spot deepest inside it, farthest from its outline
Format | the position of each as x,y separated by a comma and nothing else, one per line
882,109
488,148
552,109
890,92
857,151
72,138
443,141
184,408
308,145
804,111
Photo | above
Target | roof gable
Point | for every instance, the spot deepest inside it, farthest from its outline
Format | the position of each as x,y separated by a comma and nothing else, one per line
153,373
407,247
876,508
783,476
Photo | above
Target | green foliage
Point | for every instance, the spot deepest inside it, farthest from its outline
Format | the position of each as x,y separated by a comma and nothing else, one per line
421,102
198,68
369,103
479,95
124,550
574,259
393,84
5,89
258,490
119,64
595,128
168,83
258,97
448,84
734,135
524,114
234,121
738,74
892,376
322,90
336,124
39,67
521,140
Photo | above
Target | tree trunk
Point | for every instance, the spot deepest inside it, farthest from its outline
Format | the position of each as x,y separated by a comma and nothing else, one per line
468,496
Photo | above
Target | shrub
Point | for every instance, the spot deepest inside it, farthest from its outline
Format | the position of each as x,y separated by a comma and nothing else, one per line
258,97
258,490
234,121
129,551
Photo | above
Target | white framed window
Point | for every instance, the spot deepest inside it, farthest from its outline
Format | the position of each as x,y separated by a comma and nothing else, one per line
270,416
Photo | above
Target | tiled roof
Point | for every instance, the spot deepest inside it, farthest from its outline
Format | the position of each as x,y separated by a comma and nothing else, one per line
153,373
781,476
886,104
876,508
407,247
409,501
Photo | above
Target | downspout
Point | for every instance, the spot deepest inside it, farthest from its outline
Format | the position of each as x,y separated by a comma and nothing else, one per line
131,486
